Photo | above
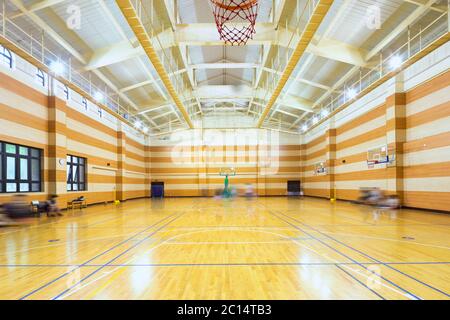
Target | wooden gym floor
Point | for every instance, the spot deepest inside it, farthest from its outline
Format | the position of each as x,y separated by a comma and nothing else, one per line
198,248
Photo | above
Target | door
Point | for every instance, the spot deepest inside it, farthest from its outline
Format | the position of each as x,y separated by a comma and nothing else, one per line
293,188
157,190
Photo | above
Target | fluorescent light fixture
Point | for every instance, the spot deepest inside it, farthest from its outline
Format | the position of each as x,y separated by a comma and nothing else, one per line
304,128
395,62
98,96
351,93
145,129
57,67
138,124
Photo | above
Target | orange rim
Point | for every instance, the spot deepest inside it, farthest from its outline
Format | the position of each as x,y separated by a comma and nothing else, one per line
247,5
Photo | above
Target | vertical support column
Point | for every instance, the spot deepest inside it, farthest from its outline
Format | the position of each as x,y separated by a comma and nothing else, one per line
121,164
331,162
148,166
261,161
302,161
200,157
395,137
57,149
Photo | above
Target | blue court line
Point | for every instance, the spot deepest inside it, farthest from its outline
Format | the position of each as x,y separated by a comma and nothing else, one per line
349,218
97,256
116,257
382,225
219,264
360,282
215,227
368,256
351,259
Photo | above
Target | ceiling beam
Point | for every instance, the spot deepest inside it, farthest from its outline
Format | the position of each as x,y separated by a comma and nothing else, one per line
66,46
137,85
317,38
265,49
201,83
244,92
376,50
224,65
113,54
301,80
140,32
173,14
400,28
49,31
288,113
421,4
153,108
338,51
317,15
35,7
205,34
416,14
123,35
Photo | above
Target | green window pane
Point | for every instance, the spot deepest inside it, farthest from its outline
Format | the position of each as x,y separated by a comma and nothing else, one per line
23,151
10,148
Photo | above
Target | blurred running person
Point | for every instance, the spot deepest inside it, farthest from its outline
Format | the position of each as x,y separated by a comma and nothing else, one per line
53,209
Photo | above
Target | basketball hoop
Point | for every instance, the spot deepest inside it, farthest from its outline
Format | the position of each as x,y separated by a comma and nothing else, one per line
371,164
242,12
228,171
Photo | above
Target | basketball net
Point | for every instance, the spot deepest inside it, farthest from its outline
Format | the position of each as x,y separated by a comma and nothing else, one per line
235,20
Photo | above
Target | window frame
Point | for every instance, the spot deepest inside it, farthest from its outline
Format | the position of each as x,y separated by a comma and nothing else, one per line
9,57
41,77
84,103
4,181
70,165
66,92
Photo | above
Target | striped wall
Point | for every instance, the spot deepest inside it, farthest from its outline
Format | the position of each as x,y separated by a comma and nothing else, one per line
411,115
115,154
426,161
189,162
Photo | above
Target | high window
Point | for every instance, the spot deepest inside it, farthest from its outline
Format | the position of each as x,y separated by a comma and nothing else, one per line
40,77
76,173
6,56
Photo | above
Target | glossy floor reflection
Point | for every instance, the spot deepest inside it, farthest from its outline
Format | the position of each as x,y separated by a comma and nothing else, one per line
199,248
